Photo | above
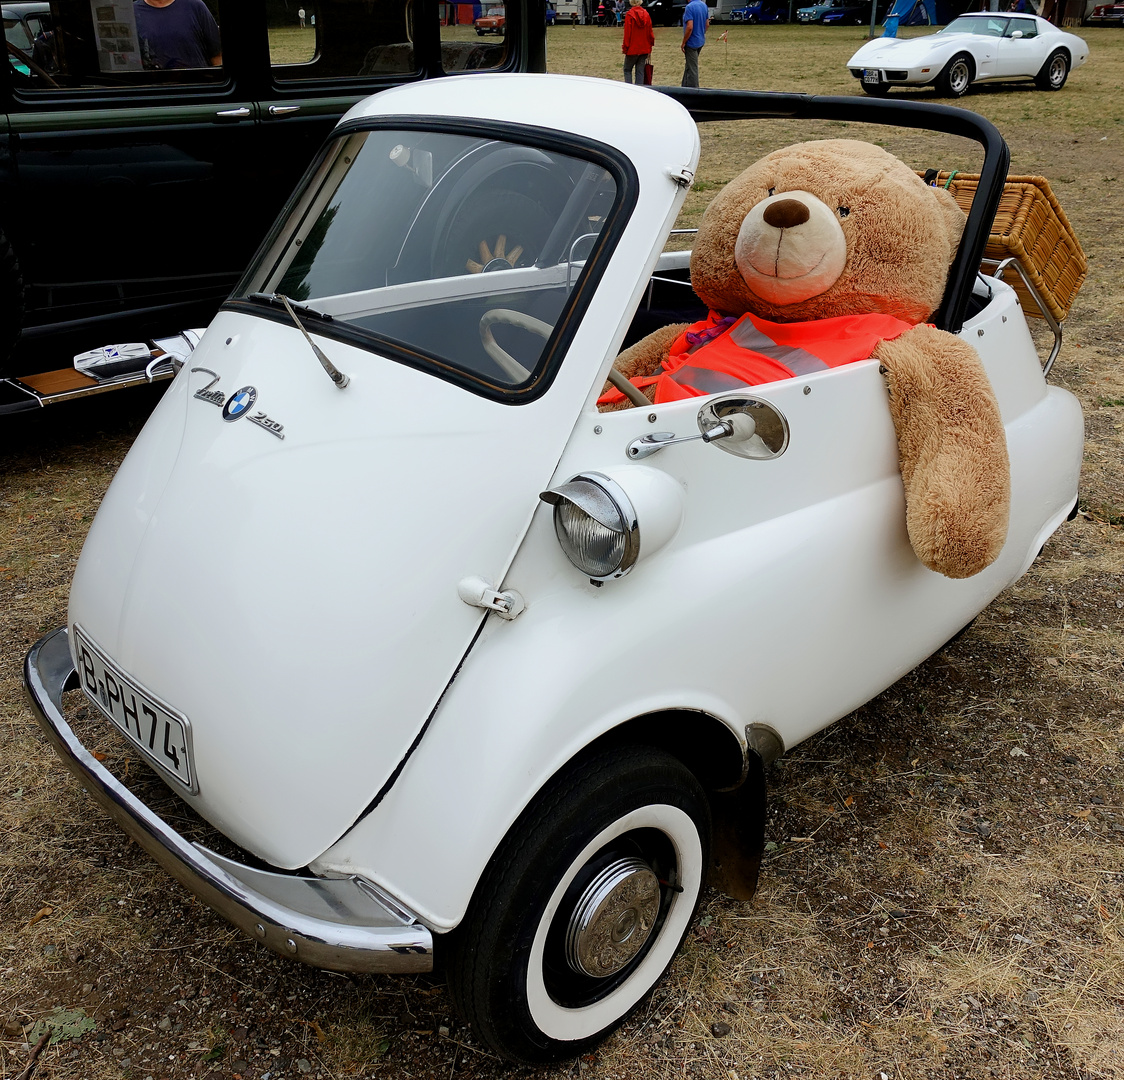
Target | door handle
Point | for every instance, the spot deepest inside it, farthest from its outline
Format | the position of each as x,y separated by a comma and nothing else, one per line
232,114
283,110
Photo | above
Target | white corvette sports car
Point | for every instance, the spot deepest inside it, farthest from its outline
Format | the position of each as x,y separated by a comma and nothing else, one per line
978,47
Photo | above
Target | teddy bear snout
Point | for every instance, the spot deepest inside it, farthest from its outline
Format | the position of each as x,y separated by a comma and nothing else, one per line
790,247
786,214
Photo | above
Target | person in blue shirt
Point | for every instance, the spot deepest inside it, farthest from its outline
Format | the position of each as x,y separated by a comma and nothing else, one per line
696,18
177,34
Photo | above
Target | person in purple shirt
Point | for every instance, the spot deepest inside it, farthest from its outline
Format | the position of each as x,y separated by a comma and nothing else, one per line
177,34
696,18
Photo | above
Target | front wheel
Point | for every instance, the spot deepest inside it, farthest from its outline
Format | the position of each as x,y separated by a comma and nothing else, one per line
956,77
583,906
1054,72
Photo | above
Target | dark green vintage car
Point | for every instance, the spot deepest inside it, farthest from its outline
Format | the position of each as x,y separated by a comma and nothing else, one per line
146,147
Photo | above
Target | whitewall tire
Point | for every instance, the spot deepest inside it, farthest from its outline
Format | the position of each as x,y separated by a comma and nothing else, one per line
584,905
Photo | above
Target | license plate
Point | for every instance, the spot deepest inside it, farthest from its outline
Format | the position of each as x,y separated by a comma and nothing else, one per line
160,733
871,76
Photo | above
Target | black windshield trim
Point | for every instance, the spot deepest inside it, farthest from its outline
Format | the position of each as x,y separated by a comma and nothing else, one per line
589,150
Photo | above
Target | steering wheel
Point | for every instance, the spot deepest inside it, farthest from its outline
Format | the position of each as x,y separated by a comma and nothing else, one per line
507,317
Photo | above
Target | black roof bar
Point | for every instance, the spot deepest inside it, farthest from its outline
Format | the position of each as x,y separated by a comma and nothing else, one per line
705,105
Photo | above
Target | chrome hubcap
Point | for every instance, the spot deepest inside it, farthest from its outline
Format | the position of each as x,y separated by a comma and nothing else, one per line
959,77
1057,70
613,918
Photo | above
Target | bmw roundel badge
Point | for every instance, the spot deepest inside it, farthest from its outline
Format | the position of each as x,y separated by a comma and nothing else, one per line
239,403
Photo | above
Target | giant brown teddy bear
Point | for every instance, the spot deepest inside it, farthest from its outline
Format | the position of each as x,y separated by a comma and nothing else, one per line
838,228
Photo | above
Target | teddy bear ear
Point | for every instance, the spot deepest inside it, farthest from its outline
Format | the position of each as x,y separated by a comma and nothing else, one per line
955,218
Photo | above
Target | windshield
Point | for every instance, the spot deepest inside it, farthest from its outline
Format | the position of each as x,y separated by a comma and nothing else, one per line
984,25
16,34
463,248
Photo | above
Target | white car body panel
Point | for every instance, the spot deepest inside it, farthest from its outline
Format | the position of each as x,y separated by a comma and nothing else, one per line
807,636
923,58
347,714
369,612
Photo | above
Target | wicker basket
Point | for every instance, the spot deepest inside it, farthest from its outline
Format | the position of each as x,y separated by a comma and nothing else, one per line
1030,225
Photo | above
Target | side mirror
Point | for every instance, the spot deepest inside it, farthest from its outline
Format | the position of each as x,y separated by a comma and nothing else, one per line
759,431
744,426
1017,34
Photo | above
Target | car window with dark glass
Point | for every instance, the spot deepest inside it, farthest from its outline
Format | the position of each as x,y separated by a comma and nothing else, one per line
355,39
124,45
341,39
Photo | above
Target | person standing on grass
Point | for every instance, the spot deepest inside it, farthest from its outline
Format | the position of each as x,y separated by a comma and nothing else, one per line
638,42
696,18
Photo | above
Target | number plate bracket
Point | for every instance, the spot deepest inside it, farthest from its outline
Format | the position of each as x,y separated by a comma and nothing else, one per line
158,731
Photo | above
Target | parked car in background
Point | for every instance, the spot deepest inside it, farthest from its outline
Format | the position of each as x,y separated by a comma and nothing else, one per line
854,14
1106,15
28,37
666,12
455,664
153,187
816,13
763,11
492,21
981,47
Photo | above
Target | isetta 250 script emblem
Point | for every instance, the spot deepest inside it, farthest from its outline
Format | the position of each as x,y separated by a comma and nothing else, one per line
238,405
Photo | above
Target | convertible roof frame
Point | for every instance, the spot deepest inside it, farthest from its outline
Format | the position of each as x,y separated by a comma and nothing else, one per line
707,105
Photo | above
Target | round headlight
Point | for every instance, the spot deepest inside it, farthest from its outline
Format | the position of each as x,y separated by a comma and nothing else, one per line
596,525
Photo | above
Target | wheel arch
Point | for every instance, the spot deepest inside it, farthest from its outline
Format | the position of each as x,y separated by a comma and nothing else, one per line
704,743
503,783
1064,50
731,772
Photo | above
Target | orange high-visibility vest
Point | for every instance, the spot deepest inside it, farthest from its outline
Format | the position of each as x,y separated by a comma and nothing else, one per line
727,353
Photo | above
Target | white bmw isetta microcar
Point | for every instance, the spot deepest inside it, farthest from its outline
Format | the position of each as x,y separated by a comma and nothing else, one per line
467,669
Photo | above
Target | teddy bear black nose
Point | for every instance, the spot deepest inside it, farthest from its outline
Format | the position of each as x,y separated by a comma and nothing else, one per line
786,214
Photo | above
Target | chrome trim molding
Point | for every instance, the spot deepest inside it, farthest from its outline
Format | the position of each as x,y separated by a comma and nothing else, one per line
341,924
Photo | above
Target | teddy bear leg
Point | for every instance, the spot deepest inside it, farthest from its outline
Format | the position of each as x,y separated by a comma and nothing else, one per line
953,450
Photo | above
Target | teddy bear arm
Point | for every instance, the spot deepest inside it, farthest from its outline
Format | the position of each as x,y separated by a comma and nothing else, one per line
952,449
644,358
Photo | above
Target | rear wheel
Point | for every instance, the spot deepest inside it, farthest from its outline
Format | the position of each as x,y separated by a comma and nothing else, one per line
956,77
11,299
583,906
1054,72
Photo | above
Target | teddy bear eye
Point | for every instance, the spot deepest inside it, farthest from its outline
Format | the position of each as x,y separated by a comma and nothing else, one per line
772,191
844,211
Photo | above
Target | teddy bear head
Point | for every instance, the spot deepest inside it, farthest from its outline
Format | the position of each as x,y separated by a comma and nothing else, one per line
819,229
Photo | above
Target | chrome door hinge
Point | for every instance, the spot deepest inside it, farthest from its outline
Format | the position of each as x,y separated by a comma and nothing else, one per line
682,177
476,592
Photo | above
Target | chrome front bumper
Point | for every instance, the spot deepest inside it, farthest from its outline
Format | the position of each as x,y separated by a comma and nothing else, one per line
343,924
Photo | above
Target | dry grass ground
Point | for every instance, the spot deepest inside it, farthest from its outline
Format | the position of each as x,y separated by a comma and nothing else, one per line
943,894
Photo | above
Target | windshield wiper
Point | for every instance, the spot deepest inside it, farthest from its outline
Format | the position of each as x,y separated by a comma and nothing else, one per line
334,373
283,301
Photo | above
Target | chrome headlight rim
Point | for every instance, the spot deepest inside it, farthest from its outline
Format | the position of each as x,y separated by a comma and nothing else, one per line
575,492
